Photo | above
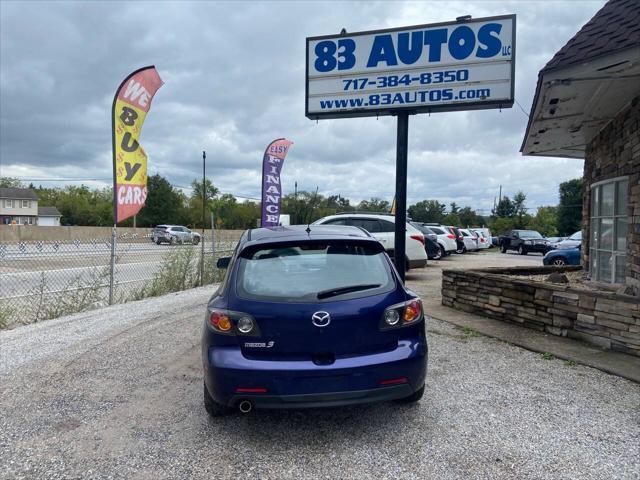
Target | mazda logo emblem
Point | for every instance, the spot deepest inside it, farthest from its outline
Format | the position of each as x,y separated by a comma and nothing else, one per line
321,319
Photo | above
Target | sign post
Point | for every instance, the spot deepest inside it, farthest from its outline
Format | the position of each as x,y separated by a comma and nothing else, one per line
400,236
468,64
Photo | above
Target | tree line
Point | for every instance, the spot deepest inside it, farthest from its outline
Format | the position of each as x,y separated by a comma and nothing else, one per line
81,205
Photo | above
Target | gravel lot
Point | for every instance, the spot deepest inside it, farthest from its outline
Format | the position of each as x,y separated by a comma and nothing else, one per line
117,393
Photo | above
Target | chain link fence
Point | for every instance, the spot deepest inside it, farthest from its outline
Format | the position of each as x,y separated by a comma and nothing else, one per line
41,279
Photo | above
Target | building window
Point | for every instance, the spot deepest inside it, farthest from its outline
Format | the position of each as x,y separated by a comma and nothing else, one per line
26,204
8,203
608,235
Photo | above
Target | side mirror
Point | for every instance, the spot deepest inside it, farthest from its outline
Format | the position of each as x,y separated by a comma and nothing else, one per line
223,262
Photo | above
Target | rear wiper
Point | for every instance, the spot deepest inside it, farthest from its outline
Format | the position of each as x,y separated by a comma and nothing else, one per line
339,291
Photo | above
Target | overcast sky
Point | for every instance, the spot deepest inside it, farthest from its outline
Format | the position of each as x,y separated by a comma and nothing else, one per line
234,80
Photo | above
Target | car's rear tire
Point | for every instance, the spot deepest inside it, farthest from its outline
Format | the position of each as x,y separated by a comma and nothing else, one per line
172,241
214,408
414,397
503,249
521,250
439,254
559,262
196,240
158,242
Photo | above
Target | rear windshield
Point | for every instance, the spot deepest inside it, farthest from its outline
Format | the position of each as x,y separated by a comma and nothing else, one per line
314,272
529,234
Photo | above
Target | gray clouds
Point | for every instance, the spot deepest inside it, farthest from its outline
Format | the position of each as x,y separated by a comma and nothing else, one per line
234,80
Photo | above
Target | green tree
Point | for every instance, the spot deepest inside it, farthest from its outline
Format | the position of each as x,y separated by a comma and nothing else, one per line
452,219
505,208
544,221
164,204
79,205
427,211
193,212
501,225
374,204
339,203
454,208
234,215
10,182
520,210
570,207
469,217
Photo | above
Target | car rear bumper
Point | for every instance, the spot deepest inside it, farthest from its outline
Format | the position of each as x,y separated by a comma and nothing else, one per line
537,248
419,263
321,400
231,377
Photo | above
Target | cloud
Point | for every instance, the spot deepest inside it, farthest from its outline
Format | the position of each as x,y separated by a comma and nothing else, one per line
234,80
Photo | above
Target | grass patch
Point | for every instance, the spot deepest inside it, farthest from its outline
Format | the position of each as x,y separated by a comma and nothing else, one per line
548,356
77,295
6,314
570,363
179,270
469,332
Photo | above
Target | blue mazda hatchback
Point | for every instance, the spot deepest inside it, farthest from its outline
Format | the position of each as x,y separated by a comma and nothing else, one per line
311,317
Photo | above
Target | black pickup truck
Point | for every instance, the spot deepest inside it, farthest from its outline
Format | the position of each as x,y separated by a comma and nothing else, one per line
524,241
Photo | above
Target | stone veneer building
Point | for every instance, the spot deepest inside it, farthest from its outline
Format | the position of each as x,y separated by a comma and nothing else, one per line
587,105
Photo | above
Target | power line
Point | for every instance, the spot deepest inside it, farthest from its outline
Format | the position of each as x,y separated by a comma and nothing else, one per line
22,179
523,110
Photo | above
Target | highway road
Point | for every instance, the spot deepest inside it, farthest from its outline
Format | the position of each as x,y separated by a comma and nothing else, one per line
32,275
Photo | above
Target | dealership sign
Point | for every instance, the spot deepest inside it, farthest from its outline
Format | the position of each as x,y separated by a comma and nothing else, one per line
462,65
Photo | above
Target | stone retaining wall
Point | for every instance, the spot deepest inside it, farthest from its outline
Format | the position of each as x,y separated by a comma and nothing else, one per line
603,318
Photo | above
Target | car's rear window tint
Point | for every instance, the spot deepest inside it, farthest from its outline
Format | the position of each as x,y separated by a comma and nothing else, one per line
298,273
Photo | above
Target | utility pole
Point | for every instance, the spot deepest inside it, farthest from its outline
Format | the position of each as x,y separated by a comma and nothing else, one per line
295,204
204,203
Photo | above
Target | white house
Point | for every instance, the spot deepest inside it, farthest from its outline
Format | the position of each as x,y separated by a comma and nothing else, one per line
19,206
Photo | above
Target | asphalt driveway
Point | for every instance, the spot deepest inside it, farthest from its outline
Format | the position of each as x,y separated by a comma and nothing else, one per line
117,393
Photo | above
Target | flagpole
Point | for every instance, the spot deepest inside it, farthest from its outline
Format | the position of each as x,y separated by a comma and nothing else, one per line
204,202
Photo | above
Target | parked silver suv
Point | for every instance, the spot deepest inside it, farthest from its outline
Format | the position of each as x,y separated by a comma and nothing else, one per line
173,234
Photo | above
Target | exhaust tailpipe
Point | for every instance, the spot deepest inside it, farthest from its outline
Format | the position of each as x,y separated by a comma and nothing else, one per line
245,406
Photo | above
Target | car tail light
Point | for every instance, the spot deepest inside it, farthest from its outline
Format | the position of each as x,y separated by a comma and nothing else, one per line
232,323
420,238
220,321
251,390
401,314
412,311
451,236
393,381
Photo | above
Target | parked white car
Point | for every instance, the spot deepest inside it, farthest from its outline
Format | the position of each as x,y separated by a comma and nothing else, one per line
486,233
382,227
470,240
483,242
446,239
